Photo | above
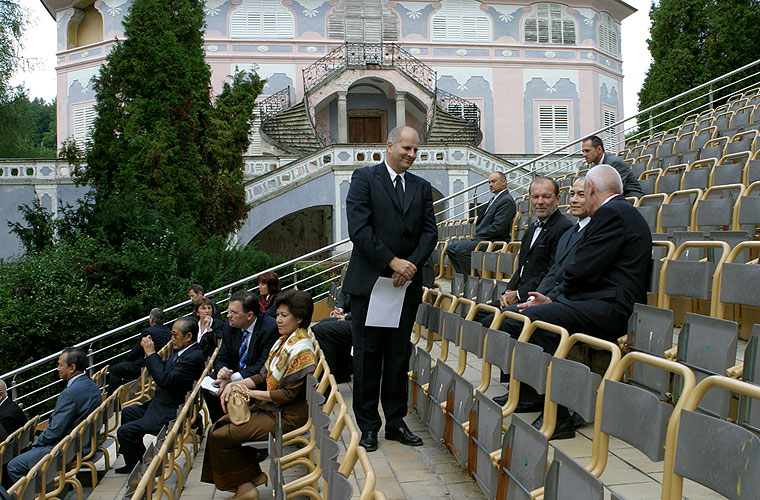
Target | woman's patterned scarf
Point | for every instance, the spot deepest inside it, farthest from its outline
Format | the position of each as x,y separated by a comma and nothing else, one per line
290,359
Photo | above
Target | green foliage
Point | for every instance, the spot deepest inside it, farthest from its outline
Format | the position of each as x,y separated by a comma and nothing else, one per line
694,41
13,21
157,133
27,128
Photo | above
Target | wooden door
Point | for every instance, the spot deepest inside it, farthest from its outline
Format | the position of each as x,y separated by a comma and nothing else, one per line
365,129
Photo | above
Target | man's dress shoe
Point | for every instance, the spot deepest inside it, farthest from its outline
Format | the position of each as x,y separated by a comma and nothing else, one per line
369,440
565,428
127,469
403,435
523,405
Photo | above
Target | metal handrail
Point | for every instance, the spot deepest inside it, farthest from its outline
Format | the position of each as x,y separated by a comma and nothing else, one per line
275,103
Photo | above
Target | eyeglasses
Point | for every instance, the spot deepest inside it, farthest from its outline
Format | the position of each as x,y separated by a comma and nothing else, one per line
232,313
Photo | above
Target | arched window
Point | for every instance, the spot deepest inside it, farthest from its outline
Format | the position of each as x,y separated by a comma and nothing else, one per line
262,19
608,37
461,21
549,23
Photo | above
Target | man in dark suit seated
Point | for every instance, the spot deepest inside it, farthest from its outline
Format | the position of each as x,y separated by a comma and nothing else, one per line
174,378
79,398
195,294
11,416
592,148
247,337
335,338
539,244
128,370
494,223
600,285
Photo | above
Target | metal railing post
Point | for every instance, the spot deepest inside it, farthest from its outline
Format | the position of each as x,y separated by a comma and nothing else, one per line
710,95
14,390
90,361
651,123
295,276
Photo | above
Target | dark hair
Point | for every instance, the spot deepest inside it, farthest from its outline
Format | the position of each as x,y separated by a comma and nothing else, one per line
157,315
555,184
206,301
76,356
299,304
501,174
595,141
188,325
272,281
195,288
249,301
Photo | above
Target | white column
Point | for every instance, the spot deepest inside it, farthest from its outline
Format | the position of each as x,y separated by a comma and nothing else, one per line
400,108
342,118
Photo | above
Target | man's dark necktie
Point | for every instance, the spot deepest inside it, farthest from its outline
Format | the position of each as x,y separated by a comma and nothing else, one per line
243,352
171,361
400,190
538,223
574,235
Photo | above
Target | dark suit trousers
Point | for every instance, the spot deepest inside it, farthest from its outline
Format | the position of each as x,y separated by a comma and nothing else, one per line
459,254
121,373
381,363
335,339
213,405
593,317
136,422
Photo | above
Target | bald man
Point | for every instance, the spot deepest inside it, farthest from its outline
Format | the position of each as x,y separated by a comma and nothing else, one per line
607,276
494,223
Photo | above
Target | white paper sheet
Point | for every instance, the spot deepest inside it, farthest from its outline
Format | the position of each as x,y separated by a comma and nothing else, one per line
385,303
208,384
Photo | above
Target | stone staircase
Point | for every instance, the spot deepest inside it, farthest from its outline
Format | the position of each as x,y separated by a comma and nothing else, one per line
447,128
291,130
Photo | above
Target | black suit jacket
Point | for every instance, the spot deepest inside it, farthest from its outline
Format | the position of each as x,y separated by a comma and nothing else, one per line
564,254
160,335
174,379
264,336
612,259
496,223
12,417
381,229
631,186
536,260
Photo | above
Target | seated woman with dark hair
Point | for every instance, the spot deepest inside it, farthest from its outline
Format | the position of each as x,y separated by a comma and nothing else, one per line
209,328
280,386
269,289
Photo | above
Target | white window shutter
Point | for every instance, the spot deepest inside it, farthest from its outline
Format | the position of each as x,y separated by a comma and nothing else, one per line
549,23
84,120
553,127
461,21
608,37
262,19
610,136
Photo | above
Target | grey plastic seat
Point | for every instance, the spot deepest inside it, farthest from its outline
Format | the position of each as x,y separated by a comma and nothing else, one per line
749,211
650,330
491,262
749,413
753,170
485,438
734,282
658,253
485,290
476,262
574,386
441,377
457,413
472,283
567,480
733,238
420,377
676,216
340,488
718,454
525,450
679,237
473,340
708,346
690,278
506,263
499,347
458,284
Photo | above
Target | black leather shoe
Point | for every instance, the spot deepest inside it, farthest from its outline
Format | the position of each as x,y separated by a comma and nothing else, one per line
529,405
578,421
369,440
538,422
403,435
501,400
127,469
565,428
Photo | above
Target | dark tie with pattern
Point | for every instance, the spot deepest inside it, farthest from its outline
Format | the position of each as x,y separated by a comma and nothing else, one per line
243,352
400,190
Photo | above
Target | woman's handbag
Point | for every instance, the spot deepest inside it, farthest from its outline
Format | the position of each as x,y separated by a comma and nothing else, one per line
237,407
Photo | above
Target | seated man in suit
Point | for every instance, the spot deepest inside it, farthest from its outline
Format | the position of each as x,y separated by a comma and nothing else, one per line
600,285
539,245
11,416
592,148
77,400
128,370
335,338
195,294
247,337
174,378
494,223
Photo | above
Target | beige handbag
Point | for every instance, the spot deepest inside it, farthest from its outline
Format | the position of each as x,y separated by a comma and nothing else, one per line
237,407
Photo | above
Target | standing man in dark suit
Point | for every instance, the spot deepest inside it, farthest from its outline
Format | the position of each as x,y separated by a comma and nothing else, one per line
174,378
125,371
247,337
11,416
79,398
592,148
392,226
494,222
600,285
